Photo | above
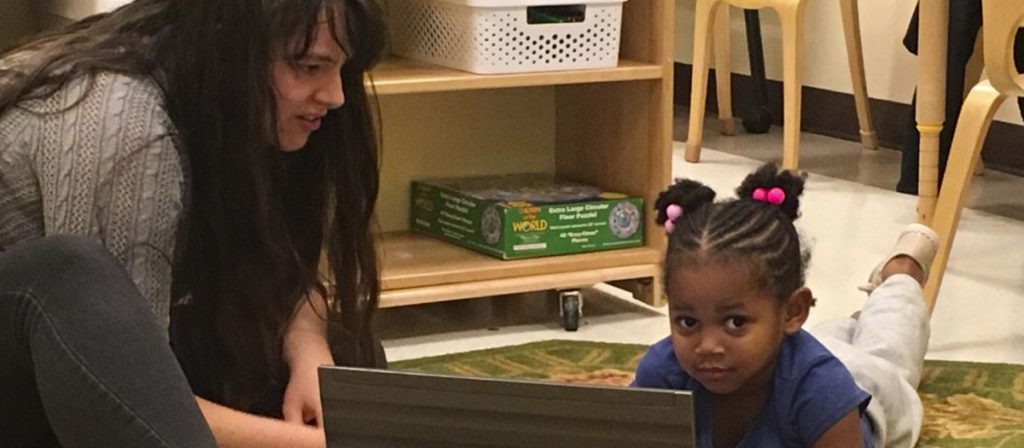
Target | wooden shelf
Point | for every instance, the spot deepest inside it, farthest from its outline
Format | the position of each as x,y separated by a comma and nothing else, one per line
412,260
611,128
397,76
566,280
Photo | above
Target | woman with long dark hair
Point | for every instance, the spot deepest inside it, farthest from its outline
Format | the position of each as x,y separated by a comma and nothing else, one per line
171,174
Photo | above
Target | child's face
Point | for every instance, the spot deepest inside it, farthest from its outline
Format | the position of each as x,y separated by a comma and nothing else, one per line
726,330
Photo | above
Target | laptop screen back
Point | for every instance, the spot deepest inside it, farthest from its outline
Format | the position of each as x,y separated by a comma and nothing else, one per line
394,409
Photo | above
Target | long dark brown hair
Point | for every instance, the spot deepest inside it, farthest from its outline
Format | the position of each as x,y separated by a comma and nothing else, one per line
258,218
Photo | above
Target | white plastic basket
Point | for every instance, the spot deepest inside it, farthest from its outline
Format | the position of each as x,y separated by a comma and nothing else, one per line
508,36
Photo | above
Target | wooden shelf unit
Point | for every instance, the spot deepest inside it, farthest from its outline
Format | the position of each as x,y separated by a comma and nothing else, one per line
420,268
399,76
613,130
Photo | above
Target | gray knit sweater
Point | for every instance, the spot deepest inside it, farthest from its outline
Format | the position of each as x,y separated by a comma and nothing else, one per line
98,158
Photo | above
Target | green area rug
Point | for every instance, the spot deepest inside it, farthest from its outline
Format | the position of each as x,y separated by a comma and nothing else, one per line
967,405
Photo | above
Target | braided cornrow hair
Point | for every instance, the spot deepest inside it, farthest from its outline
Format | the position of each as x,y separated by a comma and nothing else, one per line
761,232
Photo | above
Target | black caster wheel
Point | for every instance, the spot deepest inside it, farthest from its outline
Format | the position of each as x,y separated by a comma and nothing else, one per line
570,309
757,120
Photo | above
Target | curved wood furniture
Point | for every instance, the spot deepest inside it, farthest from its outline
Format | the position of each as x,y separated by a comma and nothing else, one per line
710,17
1002,19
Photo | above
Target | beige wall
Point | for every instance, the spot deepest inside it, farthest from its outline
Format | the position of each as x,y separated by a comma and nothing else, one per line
22,18
890,69
19,19
78,9
16,22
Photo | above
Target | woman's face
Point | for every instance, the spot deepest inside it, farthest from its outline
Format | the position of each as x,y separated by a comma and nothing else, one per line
306,86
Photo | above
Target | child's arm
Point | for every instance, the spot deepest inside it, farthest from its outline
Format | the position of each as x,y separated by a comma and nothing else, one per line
845,433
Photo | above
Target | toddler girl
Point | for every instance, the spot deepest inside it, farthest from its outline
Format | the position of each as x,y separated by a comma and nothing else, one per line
734,276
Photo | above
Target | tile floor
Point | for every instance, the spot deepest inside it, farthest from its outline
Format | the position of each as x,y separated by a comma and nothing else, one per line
851,216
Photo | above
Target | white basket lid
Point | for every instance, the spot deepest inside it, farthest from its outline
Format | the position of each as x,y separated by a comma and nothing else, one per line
525,3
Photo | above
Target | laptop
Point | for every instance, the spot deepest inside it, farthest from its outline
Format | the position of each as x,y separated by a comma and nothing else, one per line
397,409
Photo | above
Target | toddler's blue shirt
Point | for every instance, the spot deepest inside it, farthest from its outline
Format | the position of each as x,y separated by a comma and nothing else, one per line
812,390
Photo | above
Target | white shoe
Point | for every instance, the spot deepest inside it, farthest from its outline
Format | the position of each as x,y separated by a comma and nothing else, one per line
917,241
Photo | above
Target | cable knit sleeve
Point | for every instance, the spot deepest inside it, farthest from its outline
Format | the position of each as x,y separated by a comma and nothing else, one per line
109,167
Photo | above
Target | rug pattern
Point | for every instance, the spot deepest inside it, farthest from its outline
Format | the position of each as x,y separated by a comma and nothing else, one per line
967,405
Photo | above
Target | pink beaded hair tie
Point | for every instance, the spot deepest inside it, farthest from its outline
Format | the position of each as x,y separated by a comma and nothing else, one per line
775,196
673,212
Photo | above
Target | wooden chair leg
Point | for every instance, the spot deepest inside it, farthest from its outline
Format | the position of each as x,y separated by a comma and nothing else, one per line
975,119
723,70
703,27
792,21
975,65
931,101
972,75
855,55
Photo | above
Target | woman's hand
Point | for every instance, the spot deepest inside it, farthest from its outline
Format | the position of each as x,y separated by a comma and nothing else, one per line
236,429
302,396
306,349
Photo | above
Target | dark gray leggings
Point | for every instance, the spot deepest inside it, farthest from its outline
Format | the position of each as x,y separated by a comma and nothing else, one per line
82,361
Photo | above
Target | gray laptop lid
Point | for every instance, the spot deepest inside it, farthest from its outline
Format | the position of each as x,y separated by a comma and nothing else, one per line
394,409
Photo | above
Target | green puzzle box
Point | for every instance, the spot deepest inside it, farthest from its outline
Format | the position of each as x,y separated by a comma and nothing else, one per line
525,215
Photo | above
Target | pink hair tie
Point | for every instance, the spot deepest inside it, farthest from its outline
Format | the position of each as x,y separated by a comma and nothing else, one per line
775,196
673,212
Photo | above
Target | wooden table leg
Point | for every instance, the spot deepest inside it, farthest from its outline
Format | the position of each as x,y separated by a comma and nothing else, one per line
931,99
